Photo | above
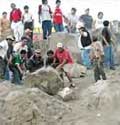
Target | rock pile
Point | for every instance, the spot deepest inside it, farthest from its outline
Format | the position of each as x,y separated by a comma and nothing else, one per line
29,106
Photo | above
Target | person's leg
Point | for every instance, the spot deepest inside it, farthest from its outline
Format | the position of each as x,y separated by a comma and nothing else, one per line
31,27
16,76
49,27
14,29
56,27
20,30
106,56
111,57
61,29
44,28
101,70
6,74
25,25
86,58
96,71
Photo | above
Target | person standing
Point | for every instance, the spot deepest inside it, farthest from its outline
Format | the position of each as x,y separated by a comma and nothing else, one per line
99,21
84,43
58,17
72,21
28,20
5,29
88,20
16,22
108,47
96,56
45,15
10,40
98,25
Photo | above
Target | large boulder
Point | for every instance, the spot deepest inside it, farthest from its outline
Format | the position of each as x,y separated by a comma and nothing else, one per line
29,106
46,79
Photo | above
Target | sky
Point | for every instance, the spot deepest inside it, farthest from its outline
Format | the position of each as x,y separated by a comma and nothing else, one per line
111,8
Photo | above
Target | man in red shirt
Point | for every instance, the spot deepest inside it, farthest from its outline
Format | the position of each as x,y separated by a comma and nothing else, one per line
16,23
58,18
63,56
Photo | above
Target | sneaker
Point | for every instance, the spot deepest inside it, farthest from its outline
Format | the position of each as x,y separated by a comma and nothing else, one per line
72,85
49,36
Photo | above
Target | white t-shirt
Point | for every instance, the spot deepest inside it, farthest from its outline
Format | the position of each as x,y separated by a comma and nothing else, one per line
27,17
73,19
3,48
99,24
45,14
18,47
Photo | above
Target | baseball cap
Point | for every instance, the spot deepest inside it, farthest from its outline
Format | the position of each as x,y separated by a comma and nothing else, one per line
59,45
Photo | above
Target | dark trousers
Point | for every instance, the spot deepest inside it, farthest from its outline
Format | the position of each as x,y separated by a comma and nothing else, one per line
98,70
17,77
29,25
58,27
47,28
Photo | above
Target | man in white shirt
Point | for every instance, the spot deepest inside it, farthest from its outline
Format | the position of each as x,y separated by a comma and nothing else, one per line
72,20
22,45
45,15
98,25
99,21
27,19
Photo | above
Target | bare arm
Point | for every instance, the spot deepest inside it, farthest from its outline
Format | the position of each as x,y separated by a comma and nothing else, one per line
105,40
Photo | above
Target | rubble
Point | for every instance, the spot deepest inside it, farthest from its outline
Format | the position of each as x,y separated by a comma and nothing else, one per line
29,106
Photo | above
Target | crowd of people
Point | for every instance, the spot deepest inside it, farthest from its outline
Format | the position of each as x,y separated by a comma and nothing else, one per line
18,55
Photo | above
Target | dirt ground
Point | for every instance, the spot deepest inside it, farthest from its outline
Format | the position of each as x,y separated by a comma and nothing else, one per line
81,115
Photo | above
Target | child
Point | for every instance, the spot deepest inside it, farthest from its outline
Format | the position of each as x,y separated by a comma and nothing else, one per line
96,55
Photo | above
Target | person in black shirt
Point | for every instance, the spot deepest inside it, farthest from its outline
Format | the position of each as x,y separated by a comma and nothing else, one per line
107,44
35,62
84,44
50,59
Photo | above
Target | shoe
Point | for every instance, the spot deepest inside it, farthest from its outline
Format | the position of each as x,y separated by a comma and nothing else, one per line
49,36
72,85
112,68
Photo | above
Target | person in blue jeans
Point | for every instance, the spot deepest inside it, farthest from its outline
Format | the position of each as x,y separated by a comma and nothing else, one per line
85,58
45,15
84,44
47,28
108,47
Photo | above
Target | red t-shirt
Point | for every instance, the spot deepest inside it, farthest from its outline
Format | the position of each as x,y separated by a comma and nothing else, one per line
57,17
61,56
15,15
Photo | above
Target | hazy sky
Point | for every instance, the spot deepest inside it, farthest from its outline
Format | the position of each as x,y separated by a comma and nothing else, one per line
111,8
